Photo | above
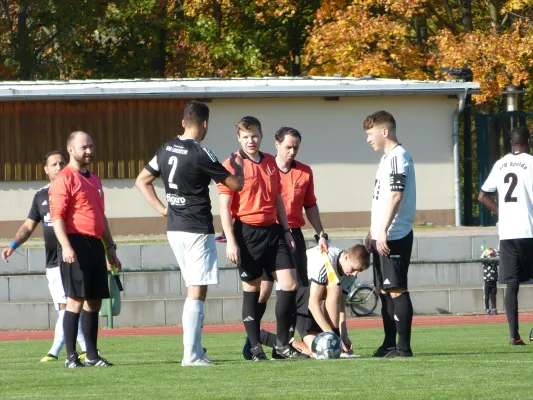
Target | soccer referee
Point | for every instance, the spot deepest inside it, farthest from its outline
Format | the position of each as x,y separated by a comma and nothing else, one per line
77,211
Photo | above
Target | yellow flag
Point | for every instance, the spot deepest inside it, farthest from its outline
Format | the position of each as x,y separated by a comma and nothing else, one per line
332,275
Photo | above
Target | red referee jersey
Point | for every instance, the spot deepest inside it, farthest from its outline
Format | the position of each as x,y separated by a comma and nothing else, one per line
298,192
79,201
256,203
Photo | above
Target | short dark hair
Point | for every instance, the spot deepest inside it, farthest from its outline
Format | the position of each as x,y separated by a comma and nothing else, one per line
284,131
380,118
52,153
520,136
359,252
247,123
195,113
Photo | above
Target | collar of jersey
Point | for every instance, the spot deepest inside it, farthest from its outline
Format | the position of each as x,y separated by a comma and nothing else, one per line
187,138
245,156
293,165
387,154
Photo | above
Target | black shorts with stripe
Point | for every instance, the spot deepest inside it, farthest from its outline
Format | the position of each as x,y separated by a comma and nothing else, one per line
390,271
516,260
299,258
262,250
305,323
87,276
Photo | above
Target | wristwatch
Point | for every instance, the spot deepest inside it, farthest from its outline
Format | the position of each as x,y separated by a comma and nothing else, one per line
287,230
112,246
324,235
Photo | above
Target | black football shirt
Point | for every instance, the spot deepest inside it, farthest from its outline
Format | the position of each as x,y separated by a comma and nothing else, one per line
186,168
40,212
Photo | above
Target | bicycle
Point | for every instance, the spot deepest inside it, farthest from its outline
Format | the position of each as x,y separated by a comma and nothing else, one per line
362,299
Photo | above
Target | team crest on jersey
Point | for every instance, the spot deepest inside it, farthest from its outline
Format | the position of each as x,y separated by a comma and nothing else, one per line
211,155
47,221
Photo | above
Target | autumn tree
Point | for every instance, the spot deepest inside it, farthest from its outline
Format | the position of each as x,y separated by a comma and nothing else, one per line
411,39
407,39
32,33
367,37
246,37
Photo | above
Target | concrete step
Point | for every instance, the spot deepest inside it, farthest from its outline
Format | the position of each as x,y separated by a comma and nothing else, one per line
154,256
226,309
168,282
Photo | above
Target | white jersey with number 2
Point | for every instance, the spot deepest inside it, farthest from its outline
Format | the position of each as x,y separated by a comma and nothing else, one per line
512,177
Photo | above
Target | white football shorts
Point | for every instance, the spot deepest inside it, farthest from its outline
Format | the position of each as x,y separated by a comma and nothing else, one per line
55,285
196,254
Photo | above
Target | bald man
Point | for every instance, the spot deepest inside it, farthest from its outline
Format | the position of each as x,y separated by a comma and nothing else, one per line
77,213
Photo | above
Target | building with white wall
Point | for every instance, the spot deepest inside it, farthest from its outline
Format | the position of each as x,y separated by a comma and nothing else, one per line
129,120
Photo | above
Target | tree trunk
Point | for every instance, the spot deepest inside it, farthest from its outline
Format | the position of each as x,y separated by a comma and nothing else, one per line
421,30
177,59
217,15
160,57
449,15
23,51
466,10
494,10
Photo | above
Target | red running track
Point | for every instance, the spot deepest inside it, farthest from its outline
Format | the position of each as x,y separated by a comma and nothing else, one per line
228,328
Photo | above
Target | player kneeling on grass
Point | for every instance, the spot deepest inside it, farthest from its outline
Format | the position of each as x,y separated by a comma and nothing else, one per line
331,276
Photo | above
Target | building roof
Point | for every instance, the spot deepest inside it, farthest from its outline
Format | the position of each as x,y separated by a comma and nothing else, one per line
228,88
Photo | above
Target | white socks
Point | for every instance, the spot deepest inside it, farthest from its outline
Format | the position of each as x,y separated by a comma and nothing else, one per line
59,336
81,336
192,319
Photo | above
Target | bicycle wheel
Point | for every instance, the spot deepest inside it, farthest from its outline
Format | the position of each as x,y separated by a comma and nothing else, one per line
363,301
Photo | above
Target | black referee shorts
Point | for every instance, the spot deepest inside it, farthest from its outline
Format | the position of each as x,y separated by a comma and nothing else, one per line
262,250
299,258
87,276
390,271
516,260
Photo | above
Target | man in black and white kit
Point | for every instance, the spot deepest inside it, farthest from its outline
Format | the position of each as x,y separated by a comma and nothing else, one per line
390,239
186,168
40,212
512,178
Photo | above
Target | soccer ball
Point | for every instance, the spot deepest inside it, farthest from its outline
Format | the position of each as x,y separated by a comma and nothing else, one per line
326,345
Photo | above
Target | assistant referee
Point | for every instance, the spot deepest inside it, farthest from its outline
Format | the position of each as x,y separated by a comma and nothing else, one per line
77,213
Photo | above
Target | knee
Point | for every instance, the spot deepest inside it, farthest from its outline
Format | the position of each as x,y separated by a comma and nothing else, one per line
74,304
263,297
92,305
288,286
266,291
197,292
287,280
251,286
512,287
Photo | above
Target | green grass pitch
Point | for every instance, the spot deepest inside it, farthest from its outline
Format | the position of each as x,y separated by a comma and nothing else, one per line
451,362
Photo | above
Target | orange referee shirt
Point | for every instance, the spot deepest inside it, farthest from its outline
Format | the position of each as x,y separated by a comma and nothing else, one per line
298,192
256,203
79,201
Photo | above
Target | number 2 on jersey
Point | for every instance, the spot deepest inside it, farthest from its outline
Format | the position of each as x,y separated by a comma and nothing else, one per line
174,162
510,177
